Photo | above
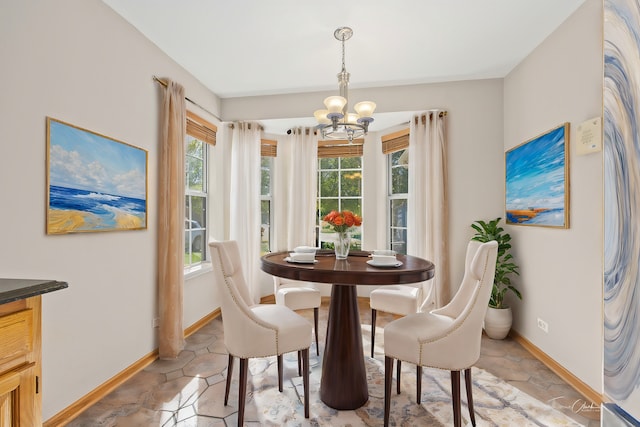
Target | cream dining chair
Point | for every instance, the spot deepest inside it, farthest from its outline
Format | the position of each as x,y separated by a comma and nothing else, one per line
399,299
298,295
448,337
255,330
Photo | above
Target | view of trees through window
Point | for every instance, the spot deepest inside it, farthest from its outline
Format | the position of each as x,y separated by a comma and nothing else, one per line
265,204
398,197
339,188
195,222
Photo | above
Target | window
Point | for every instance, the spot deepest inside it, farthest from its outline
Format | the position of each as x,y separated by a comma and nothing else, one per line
195,222
265,204
268,150
339,188
395,146
398,198
199,135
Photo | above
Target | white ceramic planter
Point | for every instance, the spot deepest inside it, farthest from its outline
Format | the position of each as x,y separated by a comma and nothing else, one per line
497,322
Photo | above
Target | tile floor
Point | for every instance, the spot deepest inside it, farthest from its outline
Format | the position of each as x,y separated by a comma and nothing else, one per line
199,372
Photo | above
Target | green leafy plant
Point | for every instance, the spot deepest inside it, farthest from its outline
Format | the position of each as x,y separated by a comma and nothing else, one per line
485,232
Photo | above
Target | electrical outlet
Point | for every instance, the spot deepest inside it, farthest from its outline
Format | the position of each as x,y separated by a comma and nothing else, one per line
155,322
543,325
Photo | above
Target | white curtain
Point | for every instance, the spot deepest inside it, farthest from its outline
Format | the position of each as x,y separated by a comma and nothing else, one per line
427,210
244,224
295,189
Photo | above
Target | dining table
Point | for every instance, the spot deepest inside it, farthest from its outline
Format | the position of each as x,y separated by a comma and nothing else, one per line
343,383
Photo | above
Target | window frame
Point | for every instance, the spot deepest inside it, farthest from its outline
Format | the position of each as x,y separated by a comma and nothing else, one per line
204,132
325,243
393,143
191,233
393,197
266,198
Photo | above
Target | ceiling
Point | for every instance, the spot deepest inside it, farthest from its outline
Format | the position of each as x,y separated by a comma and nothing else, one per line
240,48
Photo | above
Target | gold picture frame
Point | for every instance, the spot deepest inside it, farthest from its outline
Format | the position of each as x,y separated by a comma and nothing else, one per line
94,182
537,180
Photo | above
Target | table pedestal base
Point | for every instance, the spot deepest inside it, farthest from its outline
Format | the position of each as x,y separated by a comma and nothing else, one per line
344,379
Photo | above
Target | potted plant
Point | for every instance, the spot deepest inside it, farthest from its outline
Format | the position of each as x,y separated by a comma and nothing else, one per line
497,322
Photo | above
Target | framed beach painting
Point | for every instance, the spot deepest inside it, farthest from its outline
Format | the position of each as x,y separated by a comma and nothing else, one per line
537,180
94,183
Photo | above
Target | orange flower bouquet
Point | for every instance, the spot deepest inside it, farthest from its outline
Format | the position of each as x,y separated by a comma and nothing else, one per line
342,221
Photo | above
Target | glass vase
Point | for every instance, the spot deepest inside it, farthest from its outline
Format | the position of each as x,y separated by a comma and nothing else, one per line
341,244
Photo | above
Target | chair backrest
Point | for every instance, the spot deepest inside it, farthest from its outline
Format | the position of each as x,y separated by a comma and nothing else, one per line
238,320
459,301
231,266
469,306
456,305
481,271
281,282
470,302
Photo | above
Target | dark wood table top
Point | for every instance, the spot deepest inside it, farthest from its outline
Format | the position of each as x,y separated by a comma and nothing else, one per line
352,271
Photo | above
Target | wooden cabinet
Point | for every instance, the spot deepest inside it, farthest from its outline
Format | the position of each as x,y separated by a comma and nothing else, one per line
21,350
17,392
20,363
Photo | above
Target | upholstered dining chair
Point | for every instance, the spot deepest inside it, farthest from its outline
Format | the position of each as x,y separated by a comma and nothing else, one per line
298,295
446,338
397,299
255,330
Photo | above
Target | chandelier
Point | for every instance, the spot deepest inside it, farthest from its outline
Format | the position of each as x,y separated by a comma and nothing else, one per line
336,122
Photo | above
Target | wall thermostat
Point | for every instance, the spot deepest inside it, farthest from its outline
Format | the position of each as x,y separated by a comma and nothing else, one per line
589,136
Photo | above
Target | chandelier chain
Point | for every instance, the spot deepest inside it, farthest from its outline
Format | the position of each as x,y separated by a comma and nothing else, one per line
343,66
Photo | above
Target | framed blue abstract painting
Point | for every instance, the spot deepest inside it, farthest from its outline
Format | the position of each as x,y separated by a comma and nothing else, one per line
94,183
621,357
537,180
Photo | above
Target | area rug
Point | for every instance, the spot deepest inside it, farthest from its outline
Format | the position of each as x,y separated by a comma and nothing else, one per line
496,403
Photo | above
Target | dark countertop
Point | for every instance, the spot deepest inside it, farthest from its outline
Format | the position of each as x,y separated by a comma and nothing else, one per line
16,289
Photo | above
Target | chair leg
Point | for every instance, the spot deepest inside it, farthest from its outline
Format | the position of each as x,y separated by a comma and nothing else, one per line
388,370
229,371
418,383
315,326
373,329
244,364
279,373
467,383
299,364
305,380
455,396
398,376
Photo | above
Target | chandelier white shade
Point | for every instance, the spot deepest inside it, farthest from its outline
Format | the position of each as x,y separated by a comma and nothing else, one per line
335,122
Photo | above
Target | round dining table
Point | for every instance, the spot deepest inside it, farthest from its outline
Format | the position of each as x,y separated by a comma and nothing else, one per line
343,384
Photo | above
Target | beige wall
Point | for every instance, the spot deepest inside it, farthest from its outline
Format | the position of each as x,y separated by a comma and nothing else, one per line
79,62
474,132
561,280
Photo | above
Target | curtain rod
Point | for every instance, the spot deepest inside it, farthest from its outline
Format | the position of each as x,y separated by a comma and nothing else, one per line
260,127
441,114
163,83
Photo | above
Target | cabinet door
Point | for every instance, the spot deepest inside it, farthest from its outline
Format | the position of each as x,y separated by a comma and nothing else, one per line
17,394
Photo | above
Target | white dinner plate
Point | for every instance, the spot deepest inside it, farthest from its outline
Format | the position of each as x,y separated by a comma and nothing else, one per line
313,261
373,264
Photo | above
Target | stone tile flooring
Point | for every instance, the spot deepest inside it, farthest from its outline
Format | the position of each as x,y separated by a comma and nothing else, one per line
507,360
161,394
